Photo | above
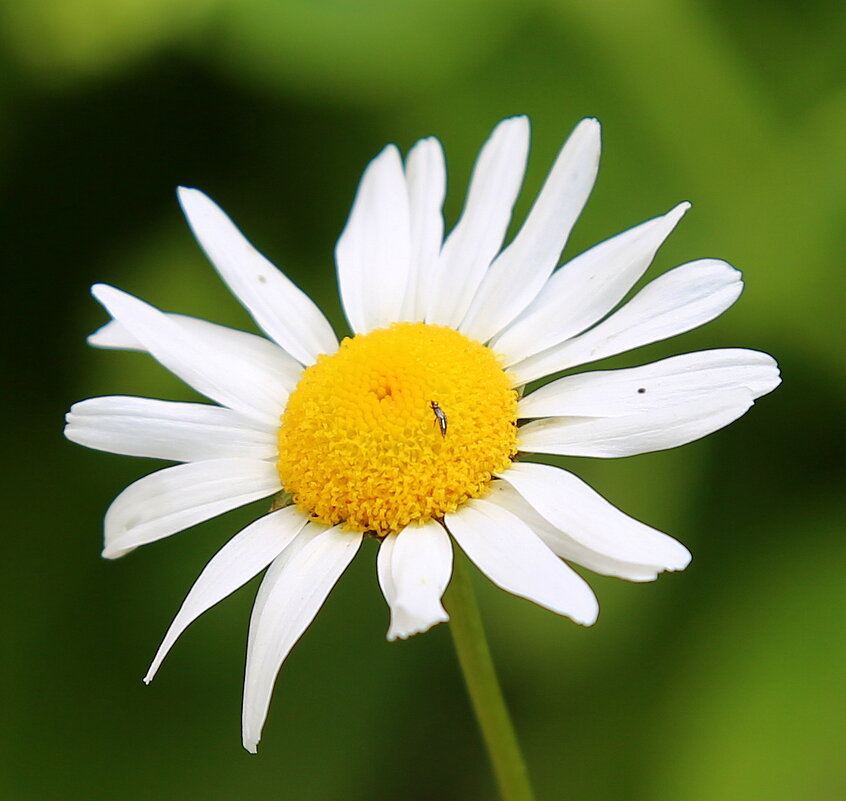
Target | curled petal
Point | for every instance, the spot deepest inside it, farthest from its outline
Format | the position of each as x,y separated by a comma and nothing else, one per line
414,570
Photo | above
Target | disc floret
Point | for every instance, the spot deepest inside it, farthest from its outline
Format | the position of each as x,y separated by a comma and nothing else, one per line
399,426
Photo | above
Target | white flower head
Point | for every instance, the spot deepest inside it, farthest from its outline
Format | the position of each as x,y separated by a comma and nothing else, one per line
412,429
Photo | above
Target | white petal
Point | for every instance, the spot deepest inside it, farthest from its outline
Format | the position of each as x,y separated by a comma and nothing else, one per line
181,432
306,535
519,273
414,572
513,557
115,336
425,172
373,253
563,545
383,569
244,556
289,604
282,310
586,518
673,381
179,497
675,302
478,235
247,348
219,372
655,430
585,289
267,588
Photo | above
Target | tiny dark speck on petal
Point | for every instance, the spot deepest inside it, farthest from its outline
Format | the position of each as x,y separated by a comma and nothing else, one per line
642,390
262,279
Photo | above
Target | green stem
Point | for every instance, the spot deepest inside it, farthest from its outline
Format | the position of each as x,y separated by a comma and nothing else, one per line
474,656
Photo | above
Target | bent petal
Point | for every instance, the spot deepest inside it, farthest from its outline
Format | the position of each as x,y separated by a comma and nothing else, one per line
214,370
654,430
478,235
585,289
677,301
582,515
680,379
244,556
414,570
291,595
373,253
282,310
179,497
512,556
179,432
519,273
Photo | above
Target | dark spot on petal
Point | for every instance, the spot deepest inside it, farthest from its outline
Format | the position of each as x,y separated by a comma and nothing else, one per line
641,390
262,279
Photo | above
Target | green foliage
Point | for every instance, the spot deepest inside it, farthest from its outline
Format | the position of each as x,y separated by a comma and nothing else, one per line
725,682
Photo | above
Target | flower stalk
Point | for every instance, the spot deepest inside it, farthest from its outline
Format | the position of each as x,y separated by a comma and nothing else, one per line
474,657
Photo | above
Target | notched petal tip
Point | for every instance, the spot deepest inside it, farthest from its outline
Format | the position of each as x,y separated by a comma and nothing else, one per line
721,264
589,126
681,559
767,381
405,623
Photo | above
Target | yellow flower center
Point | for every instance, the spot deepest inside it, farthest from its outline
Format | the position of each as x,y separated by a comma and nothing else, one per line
399,426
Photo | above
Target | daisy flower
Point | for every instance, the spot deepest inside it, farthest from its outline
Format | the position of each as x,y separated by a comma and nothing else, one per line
412,430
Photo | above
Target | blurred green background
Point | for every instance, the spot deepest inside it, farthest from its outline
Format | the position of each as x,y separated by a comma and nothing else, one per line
723,682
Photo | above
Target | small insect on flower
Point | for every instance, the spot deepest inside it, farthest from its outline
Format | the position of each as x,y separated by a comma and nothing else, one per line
441,417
